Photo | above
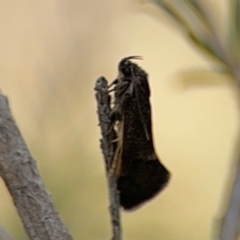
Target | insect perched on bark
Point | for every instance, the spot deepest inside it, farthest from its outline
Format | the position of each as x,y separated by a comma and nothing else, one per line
139,172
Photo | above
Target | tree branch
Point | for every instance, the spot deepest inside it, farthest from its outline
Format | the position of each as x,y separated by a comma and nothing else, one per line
19,172
108,146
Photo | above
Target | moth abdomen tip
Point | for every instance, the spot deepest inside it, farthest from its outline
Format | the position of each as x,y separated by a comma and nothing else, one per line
147,179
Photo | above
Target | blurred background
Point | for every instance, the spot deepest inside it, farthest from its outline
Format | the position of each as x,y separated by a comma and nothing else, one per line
51,54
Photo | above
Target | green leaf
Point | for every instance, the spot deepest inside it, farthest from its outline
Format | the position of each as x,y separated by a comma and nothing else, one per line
200,12
206,47
171,13
234,28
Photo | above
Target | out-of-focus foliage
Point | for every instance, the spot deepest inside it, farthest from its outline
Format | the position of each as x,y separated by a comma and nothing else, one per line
198,20
51,54
198,23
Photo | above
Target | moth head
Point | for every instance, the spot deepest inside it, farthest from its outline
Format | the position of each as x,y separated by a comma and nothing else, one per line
126,67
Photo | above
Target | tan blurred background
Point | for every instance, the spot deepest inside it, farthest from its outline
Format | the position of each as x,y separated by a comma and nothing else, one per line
51,54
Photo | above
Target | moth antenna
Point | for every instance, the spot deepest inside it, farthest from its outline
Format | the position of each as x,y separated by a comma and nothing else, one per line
129,58
132,57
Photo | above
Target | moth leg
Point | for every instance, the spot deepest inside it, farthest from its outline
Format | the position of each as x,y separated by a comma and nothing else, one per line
114,82
115,167
118,120
116,139
115,116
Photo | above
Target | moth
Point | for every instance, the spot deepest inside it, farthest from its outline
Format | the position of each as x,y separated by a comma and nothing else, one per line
139,171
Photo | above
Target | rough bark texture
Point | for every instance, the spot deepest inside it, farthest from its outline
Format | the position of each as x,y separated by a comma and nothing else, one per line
19,172
108,146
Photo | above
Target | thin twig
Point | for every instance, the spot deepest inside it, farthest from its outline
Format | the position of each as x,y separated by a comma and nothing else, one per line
231,219
108,146
20,174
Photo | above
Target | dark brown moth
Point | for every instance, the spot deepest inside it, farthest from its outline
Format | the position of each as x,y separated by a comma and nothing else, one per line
140,173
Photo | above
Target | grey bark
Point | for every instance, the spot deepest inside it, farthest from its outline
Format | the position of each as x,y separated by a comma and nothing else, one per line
108,146
19,172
